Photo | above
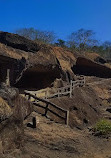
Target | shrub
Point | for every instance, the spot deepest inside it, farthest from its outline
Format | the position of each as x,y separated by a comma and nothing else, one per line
103,127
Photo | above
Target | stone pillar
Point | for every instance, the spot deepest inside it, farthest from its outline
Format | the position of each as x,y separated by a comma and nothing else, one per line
1,148
8,78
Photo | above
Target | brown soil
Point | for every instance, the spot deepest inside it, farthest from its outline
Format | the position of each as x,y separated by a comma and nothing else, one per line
58,141
83,107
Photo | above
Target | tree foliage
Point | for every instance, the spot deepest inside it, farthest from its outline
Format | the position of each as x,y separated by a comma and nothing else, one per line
37,35
107,49
81,40
28,33
60,43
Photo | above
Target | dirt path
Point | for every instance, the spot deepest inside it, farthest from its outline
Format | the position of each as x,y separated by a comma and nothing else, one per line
52,140
59,141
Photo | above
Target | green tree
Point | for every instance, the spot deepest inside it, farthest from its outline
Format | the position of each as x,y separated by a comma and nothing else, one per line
60,43
107,49
99,50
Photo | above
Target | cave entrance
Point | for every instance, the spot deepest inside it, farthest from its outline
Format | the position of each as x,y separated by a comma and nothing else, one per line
35,80
89,68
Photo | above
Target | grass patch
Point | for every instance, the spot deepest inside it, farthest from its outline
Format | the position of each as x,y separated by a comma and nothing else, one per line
103,127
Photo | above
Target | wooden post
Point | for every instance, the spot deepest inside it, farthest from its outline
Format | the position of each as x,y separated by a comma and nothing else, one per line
46,109
29,97
58,93
84,81
71,88
67,118
1,148
8,78
46,94
70,91
72,84
35,99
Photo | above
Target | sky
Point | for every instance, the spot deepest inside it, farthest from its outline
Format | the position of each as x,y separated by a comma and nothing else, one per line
61,16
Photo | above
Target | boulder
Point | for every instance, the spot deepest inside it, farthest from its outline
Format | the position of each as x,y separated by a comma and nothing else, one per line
58,83
8,93
18,42
85,66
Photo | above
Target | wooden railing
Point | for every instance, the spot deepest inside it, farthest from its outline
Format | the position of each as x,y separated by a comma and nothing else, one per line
48,106
61,91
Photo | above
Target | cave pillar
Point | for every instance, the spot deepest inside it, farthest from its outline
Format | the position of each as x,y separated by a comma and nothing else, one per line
8,77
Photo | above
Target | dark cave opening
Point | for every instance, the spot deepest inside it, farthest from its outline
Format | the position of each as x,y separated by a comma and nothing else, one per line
89,68
32,80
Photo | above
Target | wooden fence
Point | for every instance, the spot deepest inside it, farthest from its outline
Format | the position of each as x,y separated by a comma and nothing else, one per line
48,106
68,89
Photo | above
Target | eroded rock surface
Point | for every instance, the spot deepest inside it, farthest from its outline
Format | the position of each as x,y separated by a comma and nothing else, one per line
18,42
13,110
88,67
5,110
